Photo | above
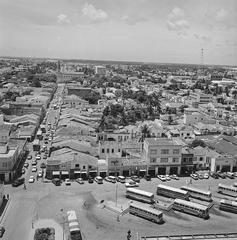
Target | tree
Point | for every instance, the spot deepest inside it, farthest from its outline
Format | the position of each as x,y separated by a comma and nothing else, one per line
145,132
36,83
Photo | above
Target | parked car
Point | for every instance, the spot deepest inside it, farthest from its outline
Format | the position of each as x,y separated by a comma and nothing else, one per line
162,177
121,179
31,179
34,163
42,165
56,181
80,180
38,157
167,177
34,169
23,170
174,177
2,231
131,184
40,173
111,179
214,175
221,175
99,180
206,175
230,175
29,157
194,176
18,182
135,178
67,181
45,156
26,165
200,176
147,177
90,180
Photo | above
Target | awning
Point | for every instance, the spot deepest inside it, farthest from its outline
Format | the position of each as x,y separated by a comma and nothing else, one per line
77,172
64,172
83,171
92,171
56,173
142,170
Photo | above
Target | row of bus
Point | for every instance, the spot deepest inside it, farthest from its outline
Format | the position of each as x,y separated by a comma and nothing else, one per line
74,229
181,201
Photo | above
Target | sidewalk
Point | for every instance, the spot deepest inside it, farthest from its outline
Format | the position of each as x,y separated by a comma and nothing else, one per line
44,223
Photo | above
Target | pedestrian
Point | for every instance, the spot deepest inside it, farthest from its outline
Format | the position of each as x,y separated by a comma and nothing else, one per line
8,196
24,186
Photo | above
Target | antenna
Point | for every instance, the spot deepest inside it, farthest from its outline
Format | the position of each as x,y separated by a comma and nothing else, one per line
202,64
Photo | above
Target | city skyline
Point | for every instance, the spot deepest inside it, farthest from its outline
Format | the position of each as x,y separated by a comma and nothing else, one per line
140,31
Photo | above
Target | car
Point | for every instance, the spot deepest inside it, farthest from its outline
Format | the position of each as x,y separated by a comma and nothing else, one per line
167,177
56,181
23,170
34,169
194,176
26,165
99,179
174,177
31,179
80,180
38,157
2,231
34,163
90,180
200,176
131,184
230,175
40,174
147,177
18,182
45,156
235,174
29,157
107,179
67,181
135,178
221,175
214,175
46,142
206,175
161,177
42,165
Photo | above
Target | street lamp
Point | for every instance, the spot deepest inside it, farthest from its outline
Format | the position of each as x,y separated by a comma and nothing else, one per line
63,221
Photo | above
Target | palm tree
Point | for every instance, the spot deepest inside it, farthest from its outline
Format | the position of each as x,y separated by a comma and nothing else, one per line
145,132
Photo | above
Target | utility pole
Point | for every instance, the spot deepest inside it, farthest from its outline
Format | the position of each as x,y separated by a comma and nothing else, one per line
116,194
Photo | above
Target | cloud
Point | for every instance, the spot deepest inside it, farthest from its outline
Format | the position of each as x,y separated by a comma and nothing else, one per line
203,38
176,21
63,18
94,14
221,14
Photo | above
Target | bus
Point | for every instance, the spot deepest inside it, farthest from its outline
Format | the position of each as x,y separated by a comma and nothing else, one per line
198,193
172,192
140,195
192,208
36,145
227,190
146,212
99,179
74,228
227,205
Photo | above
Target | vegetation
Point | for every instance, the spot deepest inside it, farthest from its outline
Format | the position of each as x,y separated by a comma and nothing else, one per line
197,142
44,234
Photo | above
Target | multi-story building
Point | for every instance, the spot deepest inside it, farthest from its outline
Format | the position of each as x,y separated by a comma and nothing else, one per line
163,156
200,97
100,70
187,166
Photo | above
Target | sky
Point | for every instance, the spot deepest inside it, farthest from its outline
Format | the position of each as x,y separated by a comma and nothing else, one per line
163,31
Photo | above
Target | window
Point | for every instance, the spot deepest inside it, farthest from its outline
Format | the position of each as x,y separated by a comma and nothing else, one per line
107,150
89,167
4,164
153,151
201,158
84,167
176,151
77,165
184,160
112,150
119,150
163,160
175,160
164,151
103,150
190,159
153,160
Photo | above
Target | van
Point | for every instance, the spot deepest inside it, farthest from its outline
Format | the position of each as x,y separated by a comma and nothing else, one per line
99,179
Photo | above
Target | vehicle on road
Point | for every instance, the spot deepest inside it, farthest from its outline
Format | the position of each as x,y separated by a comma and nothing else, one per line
18,182
191,208
56,181
2,231
135,178
172,192
29,157
174,177
121,179
227,190
161,177
38,157
45,156
23,170
147,177
67,181
205,175
90,180
99,180
146,212
194,176
131,183
31,179
40,173
80,180
34,169
198,193
34,163
227,205
26,165
140,195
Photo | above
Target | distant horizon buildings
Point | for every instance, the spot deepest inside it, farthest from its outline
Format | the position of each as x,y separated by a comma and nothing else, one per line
100,70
